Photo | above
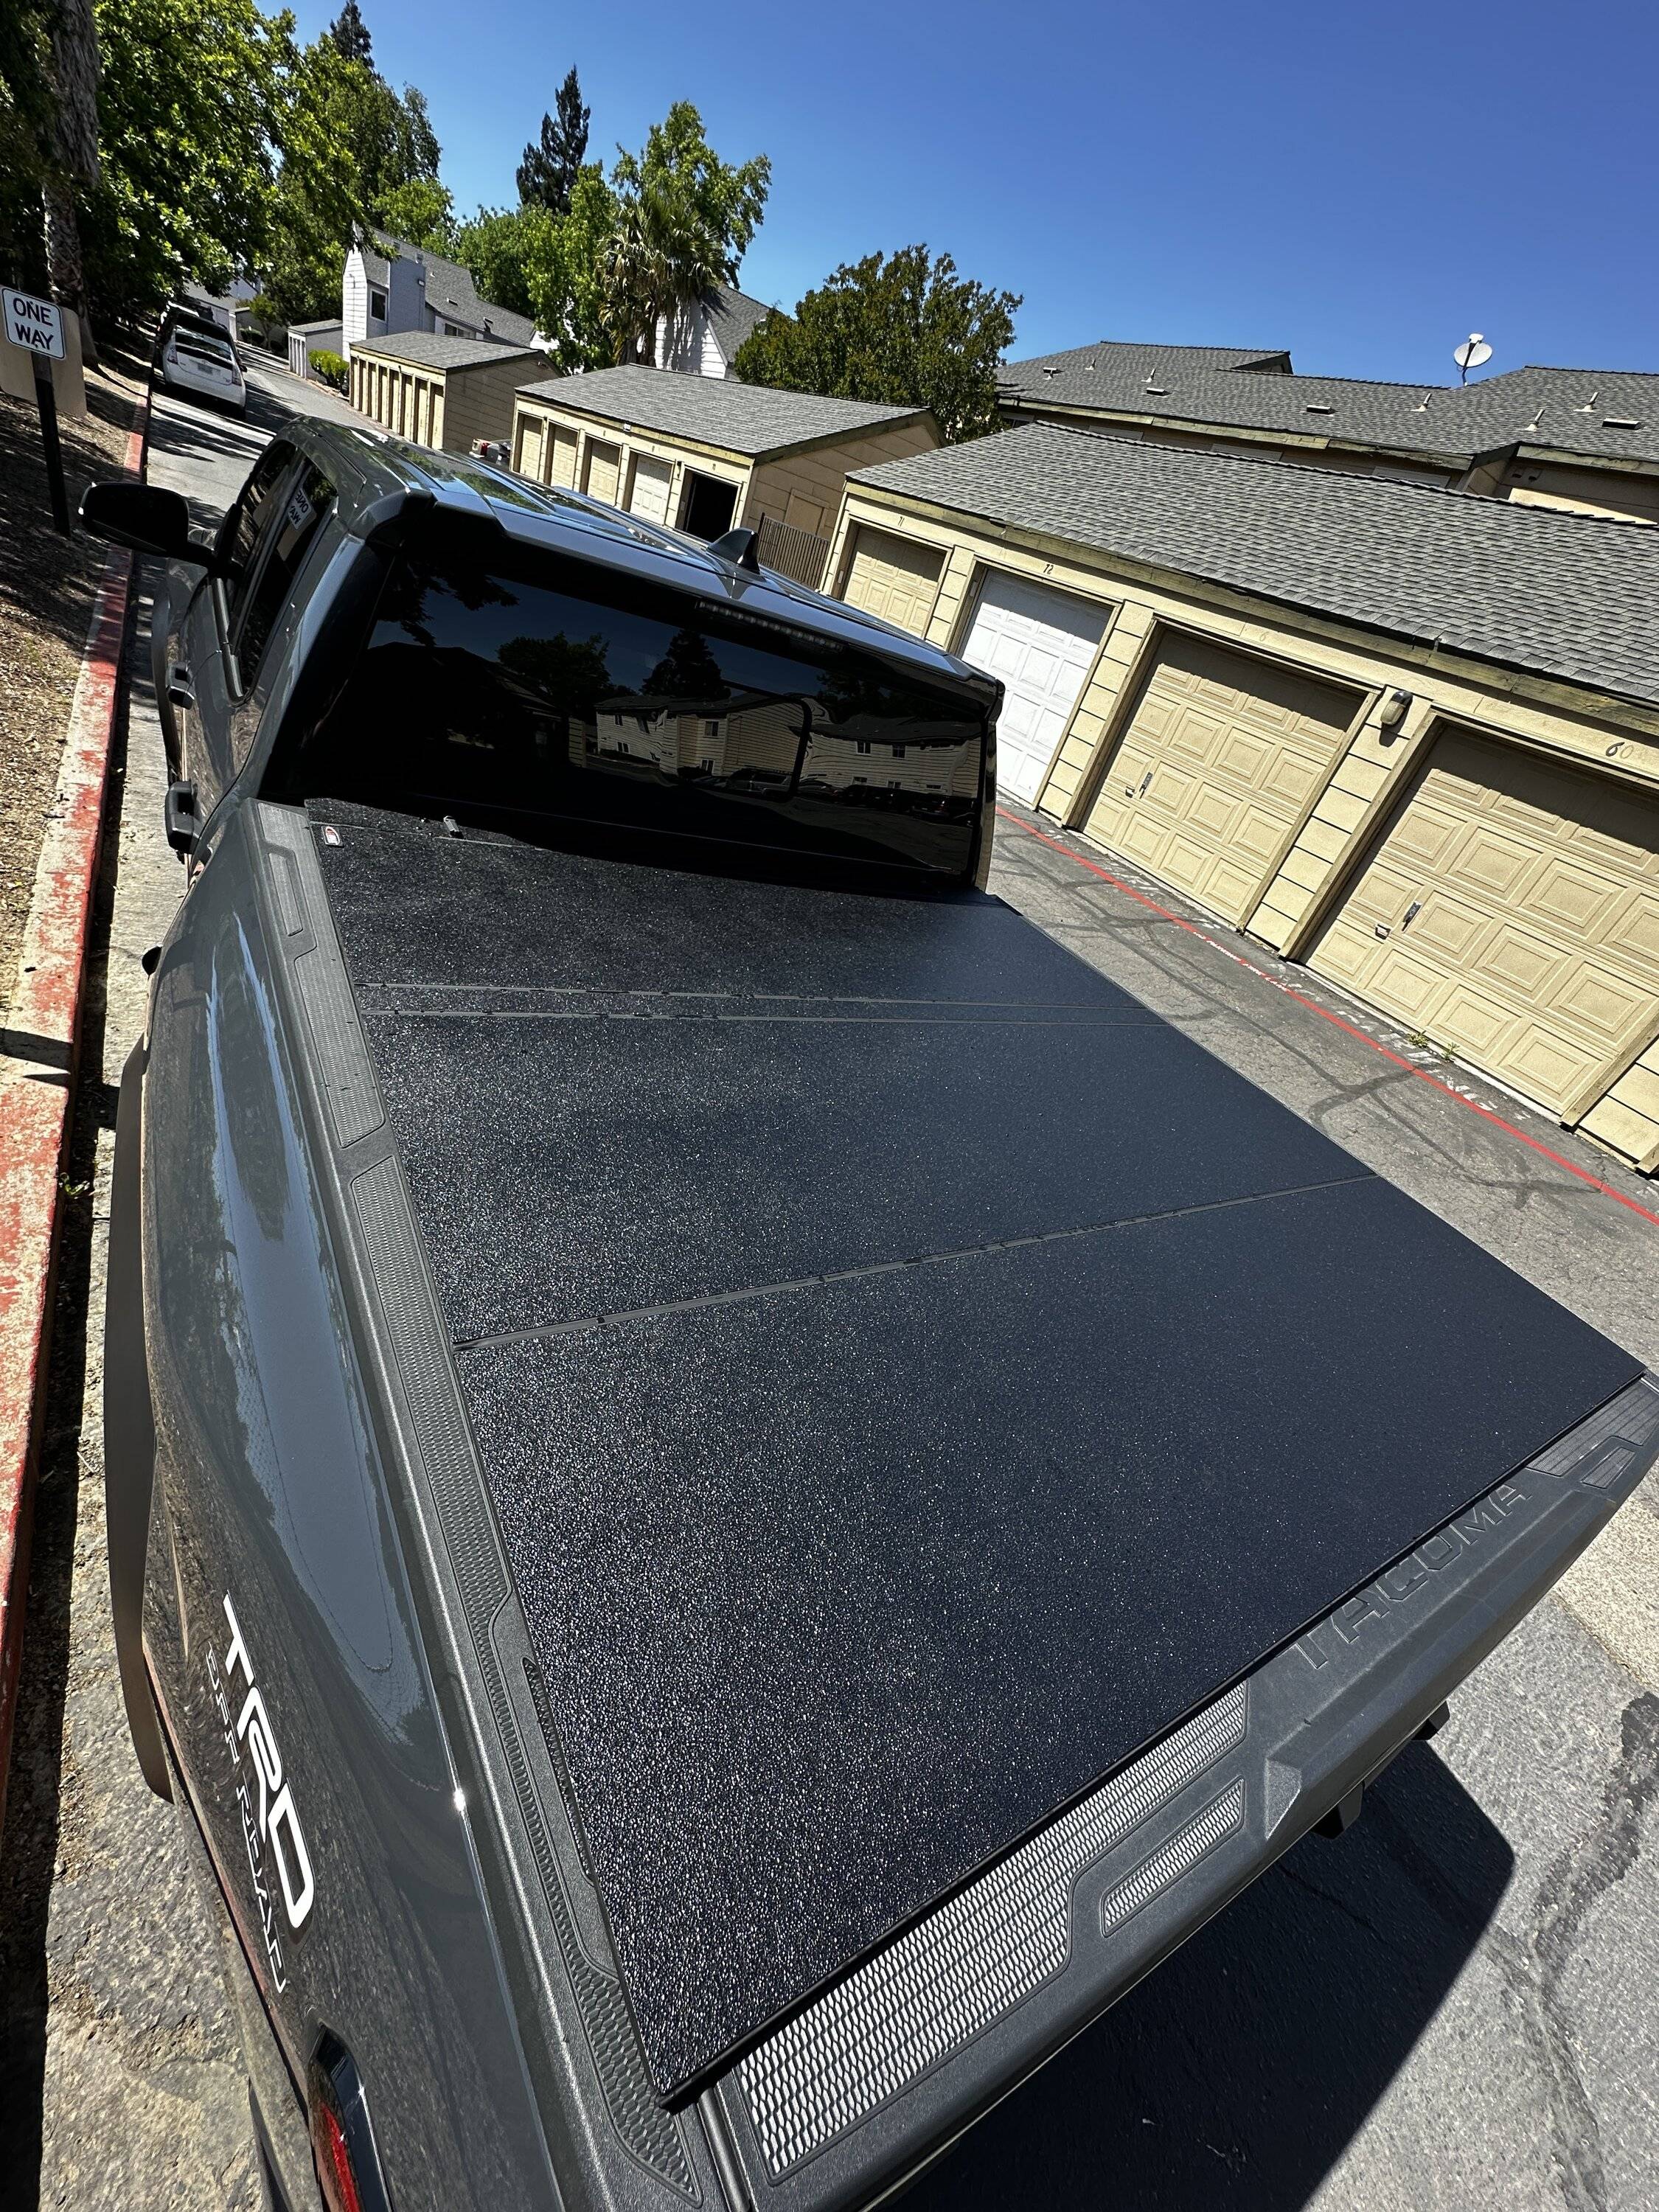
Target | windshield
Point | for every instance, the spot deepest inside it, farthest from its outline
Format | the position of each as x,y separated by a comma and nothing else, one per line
203,348
541,695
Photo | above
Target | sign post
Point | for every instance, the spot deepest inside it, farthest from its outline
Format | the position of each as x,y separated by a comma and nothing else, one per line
38,326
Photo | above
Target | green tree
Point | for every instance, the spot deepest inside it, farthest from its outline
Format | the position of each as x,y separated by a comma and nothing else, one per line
350,33
423,211
497,246
190,105
562,274
552,163
903,328
685,221
26,108
354,157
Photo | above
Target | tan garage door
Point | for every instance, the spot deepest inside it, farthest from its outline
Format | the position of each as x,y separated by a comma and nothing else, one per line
530,448
604,464
648,495
1220,758
564,458
894,579
1512,912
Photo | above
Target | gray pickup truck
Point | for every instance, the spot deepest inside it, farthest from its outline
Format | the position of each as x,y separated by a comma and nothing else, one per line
737,1492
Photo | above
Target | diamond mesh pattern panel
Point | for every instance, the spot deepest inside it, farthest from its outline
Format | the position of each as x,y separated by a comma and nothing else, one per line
965,1965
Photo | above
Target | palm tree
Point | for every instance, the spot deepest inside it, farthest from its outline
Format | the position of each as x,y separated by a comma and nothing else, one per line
660,261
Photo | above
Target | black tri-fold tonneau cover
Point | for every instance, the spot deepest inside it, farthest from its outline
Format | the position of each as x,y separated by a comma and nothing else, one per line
911,1379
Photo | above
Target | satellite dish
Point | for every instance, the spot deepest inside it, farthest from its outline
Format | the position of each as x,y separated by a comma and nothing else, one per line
1473,353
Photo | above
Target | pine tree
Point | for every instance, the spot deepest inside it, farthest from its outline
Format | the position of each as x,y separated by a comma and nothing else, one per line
350,33
549,169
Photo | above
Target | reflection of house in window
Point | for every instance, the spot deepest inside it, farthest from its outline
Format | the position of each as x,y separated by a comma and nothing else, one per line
749,736
946,770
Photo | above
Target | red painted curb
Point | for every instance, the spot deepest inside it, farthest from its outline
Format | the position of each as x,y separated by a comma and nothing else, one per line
36,1089
1277,983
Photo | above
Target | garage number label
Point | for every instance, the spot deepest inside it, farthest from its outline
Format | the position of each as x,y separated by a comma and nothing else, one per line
277,1859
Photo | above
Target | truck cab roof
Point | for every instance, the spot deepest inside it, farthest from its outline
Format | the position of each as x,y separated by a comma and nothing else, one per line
376,475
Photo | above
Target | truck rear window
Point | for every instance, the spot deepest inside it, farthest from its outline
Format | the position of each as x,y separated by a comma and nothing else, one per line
536,695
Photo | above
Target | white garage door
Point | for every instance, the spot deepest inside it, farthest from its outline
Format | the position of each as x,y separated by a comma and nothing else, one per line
1042,643
648,498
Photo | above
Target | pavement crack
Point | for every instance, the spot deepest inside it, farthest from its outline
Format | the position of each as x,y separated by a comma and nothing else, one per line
1579,1877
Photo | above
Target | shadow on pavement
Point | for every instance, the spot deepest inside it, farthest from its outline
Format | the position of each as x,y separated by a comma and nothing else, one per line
1234,2079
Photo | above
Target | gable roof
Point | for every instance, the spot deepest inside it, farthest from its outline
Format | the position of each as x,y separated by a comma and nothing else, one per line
735,316
450,290
750,419
438,350
1611,415
1128,359
1562,595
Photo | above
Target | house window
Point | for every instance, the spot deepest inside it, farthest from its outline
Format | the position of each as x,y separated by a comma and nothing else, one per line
377,305
863,745
711,729
898,752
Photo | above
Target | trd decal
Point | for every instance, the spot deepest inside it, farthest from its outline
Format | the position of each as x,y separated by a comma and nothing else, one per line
270,1826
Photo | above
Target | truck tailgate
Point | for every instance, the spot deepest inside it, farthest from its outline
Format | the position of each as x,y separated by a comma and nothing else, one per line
909,1376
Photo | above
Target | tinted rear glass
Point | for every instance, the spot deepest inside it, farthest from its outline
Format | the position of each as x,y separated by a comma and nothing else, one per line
537,694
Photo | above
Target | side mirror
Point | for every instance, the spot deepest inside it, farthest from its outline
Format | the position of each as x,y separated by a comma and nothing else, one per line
143,516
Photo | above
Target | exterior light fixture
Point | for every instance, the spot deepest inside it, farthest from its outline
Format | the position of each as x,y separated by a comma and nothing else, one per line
1392,713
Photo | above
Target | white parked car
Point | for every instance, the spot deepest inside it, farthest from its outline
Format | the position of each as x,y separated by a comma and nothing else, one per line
205,366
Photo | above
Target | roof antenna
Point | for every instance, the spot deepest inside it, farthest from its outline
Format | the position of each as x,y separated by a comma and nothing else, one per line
1473,353
736,546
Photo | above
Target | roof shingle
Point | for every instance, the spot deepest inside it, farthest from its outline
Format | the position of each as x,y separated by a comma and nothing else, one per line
1568,596
438,349
1612,415
750,419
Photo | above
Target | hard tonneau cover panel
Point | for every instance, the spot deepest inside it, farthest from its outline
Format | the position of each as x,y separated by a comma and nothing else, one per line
841,1588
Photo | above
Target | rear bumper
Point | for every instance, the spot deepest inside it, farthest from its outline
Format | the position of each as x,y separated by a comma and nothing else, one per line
872,2077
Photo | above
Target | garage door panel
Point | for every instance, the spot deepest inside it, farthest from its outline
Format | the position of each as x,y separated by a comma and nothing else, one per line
894,579
1636,926
1567,893
1538,924
1042,645
648,497
1250,742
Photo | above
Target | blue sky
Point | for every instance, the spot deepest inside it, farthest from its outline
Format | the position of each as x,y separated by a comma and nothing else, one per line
1362,184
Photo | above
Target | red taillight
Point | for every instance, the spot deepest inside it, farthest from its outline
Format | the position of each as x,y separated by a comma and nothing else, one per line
342,2140
334,2162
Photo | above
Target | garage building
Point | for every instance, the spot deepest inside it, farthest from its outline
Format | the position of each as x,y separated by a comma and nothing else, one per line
438,390
1407,736
707,453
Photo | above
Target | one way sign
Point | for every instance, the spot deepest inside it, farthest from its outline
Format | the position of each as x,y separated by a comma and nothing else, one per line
33,323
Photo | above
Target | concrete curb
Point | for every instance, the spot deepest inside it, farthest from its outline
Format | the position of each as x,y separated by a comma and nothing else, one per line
37,1088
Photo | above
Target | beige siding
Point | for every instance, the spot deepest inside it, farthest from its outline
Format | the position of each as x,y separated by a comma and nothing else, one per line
1367,772
478,403
815,478
1584,491
1627,1119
